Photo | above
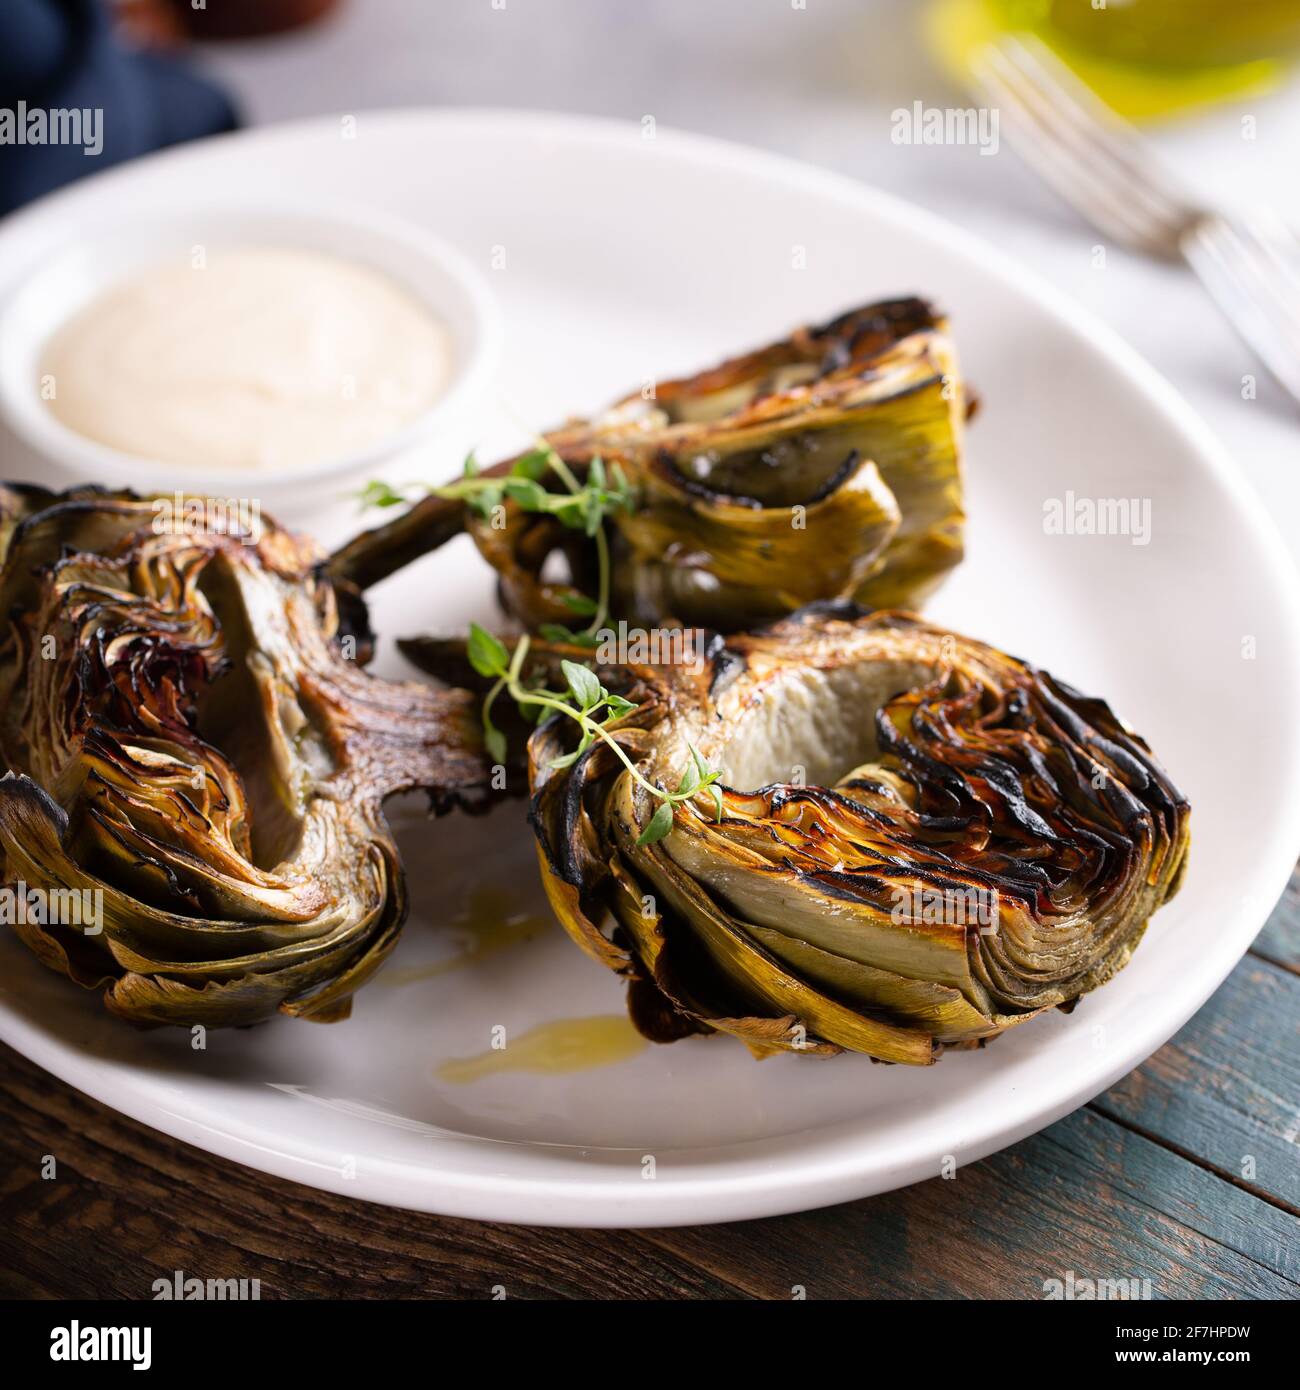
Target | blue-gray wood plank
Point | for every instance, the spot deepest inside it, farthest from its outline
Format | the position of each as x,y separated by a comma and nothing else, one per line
1085,1199
1226,1090
1280,939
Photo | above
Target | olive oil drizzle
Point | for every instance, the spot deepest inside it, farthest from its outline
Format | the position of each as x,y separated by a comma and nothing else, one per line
560,1046
489,923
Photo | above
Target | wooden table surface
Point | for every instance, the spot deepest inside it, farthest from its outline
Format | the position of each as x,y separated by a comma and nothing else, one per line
1186,1173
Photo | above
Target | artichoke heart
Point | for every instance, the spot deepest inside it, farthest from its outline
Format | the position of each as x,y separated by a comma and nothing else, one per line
921,842
194,762
824,466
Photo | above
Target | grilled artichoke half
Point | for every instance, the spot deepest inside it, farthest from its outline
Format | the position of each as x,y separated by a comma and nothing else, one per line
190,756
923,841
824,466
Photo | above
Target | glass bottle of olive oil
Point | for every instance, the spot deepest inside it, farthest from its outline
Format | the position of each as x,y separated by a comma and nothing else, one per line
1145,58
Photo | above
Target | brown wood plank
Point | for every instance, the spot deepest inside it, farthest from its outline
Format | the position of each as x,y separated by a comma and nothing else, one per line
130,1206
1226,1089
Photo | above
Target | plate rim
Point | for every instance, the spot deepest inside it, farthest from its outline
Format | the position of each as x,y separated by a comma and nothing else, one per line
805,1181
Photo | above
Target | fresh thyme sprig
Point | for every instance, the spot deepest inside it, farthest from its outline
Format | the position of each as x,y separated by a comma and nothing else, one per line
582,507
594,709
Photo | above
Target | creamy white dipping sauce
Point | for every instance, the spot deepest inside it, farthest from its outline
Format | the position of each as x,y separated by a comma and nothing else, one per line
265,358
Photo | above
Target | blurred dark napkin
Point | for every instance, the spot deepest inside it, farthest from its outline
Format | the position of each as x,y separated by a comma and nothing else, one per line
64,54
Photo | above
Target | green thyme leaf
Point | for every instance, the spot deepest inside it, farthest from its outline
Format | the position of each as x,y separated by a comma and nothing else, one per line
487,654
483,502
533,465
380,494
659,826
583,685
530,495
557,632
571,512
579,603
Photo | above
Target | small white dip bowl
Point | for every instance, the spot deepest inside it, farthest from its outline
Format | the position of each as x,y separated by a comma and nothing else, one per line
69,277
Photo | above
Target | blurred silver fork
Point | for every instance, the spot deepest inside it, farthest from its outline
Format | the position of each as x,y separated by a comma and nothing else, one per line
1096,162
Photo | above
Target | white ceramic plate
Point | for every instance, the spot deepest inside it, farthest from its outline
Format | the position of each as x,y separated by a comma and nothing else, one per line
618,258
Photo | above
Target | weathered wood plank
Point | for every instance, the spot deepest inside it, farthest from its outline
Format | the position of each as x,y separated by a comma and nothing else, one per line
1090,1195
1086,1195
129,1206
1279,941
1226,1089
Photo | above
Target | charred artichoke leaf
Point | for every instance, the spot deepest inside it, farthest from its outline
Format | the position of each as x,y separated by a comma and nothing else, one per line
785,431
827,465
923,841
195,764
